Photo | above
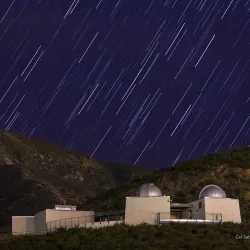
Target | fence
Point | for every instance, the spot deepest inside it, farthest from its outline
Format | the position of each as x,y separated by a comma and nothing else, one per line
188,217
84,221
110,216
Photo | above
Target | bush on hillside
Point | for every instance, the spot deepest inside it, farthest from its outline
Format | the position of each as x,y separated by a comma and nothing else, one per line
169,236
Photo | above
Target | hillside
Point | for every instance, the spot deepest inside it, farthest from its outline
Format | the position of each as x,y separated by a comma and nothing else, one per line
230,170
148,237
35,175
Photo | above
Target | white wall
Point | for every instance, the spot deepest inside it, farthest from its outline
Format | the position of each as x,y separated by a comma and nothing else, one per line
22,224
229,208
145,209
197,213
53,215
67,219
40,221
50,219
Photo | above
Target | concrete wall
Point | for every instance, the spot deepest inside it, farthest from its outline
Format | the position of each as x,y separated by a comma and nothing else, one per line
197,213
40,221
22,224
67,219
229,208
145,209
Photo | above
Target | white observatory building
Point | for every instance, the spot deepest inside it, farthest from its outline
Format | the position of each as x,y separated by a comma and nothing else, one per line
151,207
148,206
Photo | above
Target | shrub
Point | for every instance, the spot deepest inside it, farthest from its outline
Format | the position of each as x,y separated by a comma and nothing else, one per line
169,236
247,196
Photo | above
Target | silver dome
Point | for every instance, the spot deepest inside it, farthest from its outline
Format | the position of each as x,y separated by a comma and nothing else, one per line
149,190
212,191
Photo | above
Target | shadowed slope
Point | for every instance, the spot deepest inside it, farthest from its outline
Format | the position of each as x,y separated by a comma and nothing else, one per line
35,175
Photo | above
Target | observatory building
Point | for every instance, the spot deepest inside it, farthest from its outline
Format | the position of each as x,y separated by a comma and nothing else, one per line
148,206
151,207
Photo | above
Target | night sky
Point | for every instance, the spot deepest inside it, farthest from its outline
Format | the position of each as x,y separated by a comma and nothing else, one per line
142,82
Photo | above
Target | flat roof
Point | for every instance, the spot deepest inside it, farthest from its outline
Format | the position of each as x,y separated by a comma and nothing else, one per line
58,210
23,216
161,196
65,206
217,198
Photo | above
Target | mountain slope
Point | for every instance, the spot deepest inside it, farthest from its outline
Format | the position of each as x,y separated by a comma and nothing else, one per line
35,175
230,170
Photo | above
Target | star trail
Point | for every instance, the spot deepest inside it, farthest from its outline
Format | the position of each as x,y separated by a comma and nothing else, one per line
145,82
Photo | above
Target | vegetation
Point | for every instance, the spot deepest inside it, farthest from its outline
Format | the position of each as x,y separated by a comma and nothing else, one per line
170,236
236,158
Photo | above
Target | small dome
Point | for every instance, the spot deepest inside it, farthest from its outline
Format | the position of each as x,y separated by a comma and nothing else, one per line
149,190
212,191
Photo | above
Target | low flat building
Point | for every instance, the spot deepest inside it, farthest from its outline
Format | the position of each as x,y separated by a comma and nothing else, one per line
60,216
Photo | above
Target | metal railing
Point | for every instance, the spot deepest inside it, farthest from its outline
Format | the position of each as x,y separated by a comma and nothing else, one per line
84,220
188,217
117,215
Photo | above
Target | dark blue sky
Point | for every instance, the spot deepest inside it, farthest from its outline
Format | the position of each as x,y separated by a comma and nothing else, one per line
145,82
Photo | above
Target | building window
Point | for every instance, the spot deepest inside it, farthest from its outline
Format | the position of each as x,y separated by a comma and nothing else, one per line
200,205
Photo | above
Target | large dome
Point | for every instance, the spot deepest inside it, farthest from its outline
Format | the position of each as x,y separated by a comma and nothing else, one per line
149,190
212,191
